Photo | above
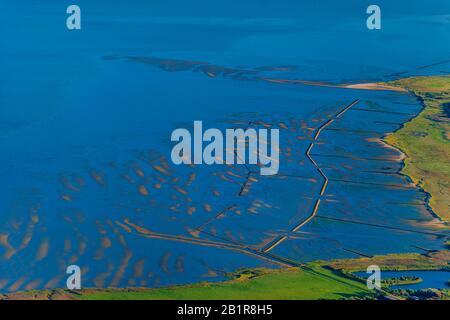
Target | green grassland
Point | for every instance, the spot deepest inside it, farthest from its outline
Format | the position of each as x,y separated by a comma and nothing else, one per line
308,283
316,280
426,141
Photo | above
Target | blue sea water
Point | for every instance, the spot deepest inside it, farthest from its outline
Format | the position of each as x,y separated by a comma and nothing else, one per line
83,127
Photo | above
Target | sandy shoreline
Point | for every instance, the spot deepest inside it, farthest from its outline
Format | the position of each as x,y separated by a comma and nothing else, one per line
373,86
356,86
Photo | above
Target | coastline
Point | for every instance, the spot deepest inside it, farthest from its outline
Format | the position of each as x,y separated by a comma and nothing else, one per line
404,156
413,162
374,86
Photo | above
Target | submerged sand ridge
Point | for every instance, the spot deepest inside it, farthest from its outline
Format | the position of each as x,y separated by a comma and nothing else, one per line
212,71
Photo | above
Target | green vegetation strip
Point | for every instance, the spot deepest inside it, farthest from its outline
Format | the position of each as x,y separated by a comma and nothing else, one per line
311,283
426,140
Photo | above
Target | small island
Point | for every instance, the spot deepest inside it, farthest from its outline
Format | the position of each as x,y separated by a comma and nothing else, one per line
400,281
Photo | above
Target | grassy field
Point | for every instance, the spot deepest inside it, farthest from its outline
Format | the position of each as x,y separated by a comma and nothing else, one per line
317,280
311,283
426,140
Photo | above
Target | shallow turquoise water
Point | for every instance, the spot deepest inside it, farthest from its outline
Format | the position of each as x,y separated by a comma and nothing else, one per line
77,129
